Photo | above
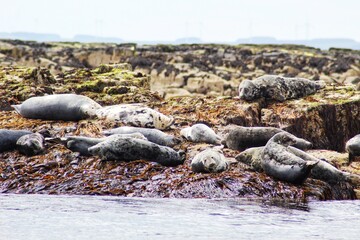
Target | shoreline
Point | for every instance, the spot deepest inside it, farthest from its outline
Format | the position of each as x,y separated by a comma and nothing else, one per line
334,114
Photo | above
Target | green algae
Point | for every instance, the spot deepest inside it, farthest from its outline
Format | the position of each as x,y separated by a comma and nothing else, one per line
107,84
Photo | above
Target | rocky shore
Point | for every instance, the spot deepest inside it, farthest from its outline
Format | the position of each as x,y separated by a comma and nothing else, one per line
192,83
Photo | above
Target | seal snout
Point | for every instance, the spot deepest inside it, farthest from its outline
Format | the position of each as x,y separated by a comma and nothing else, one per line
210,164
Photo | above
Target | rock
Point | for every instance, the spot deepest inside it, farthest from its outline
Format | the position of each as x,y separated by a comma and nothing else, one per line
335,158
353,80
175,92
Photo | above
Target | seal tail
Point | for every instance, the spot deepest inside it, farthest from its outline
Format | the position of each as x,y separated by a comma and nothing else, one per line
17,108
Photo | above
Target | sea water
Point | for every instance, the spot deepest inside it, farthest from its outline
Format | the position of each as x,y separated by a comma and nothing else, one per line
99,217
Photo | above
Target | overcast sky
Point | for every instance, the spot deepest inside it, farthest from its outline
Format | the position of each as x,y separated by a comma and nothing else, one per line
210,20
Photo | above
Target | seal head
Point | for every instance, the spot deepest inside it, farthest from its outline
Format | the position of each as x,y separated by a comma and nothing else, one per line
31,144
209,161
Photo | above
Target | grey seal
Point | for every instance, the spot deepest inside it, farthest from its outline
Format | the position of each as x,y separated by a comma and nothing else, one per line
67,107
153,135
252,157
81,144
128,149
278,88
200,133
31,144
136,115
241,138
353,147
323,170
280,163
209,161
8,138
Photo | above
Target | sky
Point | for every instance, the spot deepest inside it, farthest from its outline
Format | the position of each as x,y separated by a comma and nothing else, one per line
210,20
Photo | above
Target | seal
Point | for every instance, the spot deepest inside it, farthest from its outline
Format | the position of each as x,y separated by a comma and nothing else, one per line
129,149
153,135
353,147
278,162
136,115
8,138
278,88
200,133
241,138
209,161
31,144
252,157
81,144
323,171
67,107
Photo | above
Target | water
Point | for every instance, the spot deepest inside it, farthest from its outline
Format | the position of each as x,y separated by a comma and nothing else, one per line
97,217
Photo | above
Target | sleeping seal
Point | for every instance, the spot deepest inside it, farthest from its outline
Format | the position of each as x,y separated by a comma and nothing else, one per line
209,161
128,149
353,147
31,144
278,162
278,88
241,138
136,115
200,133
8,138
153,135
67,107
81,144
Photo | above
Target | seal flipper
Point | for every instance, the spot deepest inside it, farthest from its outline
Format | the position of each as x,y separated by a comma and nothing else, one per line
17,108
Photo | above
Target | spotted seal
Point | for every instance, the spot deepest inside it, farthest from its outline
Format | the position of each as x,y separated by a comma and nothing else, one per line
278,88
31,144
278,162
353,147
81,144
8,138
201,133
136,115
209,161
67,107
153,135
128,149
241,138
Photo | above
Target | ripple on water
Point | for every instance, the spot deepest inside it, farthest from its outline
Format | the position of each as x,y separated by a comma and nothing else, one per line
97,217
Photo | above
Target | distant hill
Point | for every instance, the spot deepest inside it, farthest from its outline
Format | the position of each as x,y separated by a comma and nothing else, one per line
40,37
323,43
